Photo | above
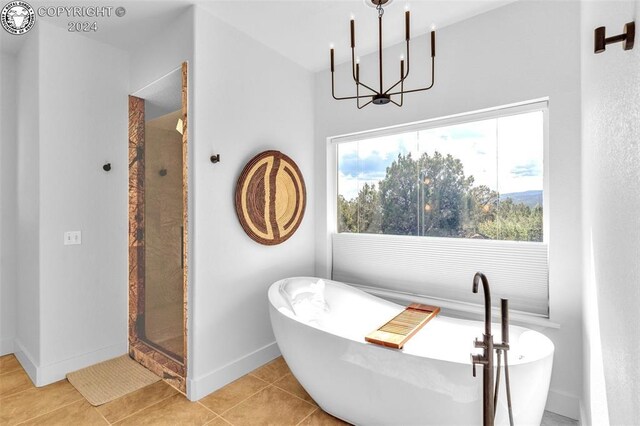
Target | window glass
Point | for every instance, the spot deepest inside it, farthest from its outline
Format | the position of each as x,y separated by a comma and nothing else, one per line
476,179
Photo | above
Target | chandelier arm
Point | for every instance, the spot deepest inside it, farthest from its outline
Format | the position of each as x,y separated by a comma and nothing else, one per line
353,72
401,95
342,98
422,89
358,99
393,87
375,92
360,107
338,98
402,78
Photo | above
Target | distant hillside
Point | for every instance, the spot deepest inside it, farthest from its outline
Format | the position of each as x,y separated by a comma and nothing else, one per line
530,198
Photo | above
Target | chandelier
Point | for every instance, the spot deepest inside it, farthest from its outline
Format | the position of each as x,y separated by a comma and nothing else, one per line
381,96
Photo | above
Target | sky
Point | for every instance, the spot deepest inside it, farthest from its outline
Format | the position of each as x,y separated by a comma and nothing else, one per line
505,154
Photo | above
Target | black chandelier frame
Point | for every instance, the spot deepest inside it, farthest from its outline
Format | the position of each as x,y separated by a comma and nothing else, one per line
381,96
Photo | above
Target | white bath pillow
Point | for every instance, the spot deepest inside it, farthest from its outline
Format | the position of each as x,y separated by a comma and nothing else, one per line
307,300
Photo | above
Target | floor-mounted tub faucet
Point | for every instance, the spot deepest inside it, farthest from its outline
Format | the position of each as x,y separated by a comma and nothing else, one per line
486,359
489,394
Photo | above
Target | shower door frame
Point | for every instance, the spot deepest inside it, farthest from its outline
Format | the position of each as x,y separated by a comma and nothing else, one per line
141,349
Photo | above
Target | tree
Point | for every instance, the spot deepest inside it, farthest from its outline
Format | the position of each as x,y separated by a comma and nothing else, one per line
398,195
369,210
482,204
347,215
443,193
361,214
517,222
432,196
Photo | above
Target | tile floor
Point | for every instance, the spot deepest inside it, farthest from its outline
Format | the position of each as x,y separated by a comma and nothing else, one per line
269,395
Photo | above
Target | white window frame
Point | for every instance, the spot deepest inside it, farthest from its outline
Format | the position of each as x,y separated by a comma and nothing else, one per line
456,308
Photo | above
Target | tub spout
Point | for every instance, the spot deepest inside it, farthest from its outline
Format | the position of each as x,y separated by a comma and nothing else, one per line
479,276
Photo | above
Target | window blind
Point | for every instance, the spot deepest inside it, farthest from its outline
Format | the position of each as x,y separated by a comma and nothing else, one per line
443,268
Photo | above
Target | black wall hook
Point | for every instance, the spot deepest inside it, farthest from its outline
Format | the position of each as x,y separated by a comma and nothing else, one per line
627,38
215,158
106,167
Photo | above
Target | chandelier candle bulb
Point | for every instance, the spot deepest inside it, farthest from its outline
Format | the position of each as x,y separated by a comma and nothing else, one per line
406,25
332,66
433,44
353,33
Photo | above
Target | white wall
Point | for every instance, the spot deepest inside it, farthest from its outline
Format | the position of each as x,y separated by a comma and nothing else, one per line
8,201
163,52
77,294
611,182
247,99
523,51
27,340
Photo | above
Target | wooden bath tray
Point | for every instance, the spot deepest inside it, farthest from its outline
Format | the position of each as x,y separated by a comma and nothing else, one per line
395,333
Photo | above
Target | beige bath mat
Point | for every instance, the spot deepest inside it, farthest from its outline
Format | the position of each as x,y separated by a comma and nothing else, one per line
111,379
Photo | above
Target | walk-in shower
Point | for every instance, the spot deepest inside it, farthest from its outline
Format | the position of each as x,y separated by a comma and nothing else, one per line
157,224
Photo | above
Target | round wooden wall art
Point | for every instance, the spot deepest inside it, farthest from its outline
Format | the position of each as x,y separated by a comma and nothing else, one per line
270,198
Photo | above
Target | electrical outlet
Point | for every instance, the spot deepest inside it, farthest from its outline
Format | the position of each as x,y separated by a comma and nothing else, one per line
72,238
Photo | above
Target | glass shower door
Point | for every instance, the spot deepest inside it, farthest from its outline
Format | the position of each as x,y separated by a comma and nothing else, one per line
163,233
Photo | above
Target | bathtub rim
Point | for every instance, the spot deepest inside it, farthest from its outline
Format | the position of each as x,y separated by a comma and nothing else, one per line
274,292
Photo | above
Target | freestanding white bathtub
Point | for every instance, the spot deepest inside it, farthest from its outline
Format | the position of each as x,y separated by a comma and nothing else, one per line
428,382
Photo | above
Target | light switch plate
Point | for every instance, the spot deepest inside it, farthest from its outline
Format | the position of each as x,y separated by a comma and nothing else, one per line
72,238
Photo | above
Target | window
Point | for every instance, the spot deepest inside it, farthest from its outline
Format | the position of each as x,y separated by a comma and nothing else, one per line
420,208
478,179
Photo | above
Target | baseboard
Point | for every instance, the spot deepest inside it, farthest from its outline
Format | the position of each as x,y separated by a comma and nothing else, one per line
26,361
7,346
563,403
202,386
57,371
45,375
